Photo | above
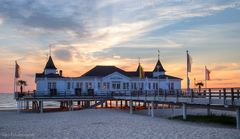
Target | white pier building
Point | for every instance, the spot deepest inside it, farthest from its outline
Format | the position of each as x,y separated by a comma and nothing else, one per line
104,79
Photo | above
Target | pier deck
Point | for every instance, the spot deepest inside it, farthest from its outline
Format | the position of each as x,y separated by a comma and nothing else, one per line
225,99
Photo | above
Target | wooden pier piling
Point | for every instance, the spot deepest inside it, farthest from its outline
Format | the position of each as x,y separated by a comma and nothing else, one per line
184,111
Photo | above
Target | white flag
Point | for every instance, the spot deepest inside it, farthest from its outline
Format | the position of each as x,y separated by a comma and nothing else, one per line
207,74
189,63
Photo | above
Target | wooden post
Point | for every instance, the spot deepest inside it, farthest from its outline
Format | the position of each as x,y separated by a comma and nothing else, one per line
121,104
232,95
238,94
224,96
208,110
102,105
220,94
184,109
18,107
149,109
131,106
192,95
238,117
106,105
71,105
116,103
41,106
26,105
177,96
126,105
210,96
152,109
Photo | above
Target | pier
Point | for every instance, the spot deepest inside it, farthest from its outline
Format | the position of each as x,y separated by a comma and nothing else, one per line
209,98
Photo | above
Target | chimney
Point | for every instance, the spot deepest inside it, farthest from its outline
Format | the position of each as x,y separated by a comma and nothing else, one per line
60,72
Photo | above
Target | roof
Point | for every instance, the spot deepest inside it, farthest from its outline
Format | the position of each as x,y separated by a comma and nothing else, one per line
168,76
149,74
138,69
42,75
50,64
159,64
102,71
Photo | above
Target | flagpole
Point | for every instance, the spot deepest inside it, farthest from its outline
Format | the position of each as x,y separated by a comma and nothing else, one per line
188,82
139,74
205,77
14,80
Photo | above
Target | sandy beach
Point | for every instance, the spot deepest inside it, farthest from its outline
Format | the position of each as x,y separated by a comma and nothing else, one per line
105,123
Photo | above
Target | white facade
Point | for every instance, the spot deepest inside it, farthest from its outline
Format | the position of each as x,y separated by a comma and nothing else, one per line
114,82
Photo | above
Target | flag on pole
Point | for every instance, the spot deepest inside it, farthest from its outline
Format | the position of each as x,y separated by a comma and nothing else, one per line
189,63
17,70
207,74
141,72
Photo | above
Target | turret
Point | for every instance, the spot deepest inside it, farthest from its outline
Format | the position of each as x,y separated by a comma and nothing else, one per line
158,70
50,67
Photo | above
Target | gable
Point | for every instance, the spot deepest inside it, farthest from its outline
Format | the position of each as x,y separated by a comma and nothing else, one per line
116,76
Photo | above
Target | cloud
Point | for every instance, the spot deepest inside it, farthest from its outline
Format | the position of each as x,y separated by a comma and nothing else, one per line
116,32
44,15
63,54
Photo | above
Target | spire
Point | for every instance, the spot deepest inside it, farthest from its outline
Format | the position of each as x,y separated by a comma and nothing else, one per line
50,64
159,67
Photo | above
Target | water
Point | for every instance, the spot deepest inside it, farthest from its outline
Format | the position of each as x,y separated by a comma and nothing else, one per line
7,101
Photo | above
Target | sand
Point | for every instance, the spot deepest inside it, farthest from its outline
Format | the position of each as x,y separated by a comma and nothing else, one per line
105,123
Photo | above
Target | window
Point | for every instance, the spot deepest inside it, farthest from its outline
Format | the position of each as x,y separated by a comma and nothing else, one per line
99,85
135,86
172,86
89,85
78,86
126,86
104,86
49,85
68,85
149,85
142,85
52,85
116,85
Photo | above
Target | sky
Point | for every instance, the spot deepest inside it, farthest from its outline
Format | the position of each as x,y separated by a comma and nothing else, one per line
86,33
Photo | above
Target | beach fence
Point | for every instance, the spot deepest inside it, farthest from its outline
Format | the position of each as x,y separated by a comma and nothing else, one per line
209,98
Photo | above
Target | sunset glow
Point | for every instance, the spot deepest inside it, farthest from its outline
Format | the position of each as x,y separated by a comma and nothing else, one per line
83,34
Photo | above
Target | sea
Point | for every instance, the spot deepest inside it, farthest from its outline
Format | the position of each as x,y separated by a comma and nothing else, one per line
8,102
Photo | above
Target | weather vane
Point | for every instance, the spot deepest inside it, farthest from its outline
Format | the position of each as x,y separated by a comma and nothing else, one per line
50,51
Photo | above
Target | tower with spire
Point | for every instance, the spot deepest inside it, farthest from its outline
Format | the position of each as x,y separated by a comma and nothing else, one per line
50,67
158,70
